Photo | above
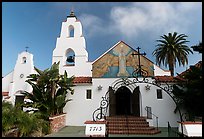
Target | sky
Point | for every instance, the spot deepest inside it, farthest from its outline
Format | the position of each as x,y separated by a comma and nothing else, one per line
139,24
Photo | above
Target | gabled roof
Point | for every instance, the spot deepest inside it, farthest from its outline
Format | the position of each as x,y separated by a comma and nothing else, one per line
106,52
113,48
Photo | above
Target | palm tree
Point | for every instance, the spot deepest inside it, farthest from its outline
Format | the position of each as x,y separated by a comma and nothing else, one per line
172,48
50,90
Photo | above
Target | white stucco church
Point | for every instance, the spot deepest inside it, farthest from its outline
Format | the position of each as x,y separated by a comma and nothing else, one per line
108,79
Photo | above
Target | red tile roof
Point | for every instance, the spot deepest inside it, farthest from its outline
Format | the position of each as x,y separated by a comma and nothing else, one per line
5,93
82,80
198,65
173,79
165,78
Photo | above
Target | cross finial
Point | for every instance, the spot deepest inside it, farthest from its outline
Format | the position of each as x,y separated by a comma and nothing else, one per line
26,48
140,69
72,11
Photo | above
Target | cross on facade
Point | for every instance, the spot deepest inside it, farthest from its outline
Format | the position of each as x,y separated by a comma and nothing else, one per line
26,48
138,49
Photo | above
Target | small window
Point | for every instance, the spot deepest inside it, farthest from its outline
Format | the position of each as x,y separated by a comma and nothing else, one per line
71,31
88,94
24,60
159,94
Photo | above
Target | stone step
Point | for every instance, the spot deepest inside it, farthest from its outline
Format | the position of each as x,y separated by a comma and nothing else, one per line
129,125
130,128
151,132
128,117
127,122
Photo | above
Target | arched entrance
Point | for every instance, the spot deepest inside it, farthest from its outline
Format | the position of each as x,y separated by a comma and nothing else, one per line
123,103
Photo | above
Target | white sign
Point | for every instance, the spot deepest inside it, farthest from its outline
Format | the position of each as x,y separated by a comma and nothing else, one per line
95,130
191,130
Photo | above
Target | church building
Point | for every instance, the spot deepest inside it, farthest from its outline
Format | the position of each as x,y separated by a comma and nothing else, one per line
122,81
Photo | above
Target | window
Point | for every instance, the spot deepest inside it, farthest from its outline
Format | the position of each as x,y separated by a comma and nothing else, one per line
159,94
24,60
71,31
88,94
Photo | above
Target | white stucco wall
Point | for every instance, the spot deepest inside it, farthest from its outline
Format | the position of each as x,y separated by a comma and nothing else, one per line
6,80
80,109
160,72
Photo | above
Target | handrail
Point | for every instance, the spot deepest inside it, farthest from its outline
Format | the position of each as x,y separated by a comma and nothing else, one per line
153,115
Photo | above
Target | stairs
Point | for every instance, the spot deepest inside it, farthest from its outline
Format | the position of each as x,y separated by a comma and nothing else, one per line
129,125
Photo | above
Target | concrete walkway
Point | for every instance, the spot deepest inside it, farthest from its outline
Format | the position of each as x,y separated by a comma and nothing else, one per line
79,131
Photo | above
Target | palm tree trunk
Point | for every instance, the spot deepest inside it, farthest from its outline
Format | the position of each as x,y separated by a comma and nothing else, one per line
171,68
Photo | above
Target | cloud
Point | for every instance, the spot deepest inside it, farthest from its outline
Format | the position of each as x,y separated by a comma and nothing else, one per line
139,17
92,25
152,17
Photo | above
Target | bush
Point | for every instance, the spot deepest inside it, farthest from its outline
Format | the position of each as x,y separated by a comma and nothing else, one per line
18,123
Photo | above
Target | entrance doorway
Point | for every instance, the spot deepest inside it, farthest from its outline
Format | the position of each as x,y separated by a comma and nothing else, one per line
123,101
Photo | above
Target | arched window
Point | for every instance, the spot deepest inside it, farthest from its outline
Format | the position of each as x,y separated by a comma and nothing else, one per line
71,31
24,60
70,57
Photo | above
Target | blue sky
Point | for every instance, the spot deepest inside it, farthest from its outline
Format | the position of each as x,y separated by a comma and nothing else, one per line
139,24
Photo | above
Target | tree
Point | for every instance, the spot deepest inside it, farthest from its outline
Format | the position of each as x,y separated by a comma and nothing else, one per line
188,91
17,123
50,90
172,49
198,47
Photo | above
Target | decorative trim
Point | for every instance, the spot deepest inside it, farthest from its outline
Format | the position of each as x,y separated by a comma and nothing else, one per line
56,116
95,122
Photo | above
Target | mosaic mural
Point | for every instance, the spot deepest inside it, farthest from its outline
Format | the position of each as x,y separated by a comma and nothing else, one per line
119,62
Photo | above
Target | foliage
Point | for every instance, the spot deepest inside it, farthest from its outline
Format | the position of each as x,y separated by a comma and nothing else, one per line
198,47
188,92
172,48
24,124
49,90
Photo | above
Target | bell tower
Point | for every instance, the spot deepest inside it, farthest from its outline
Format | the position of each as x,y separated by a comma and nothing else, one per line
71,49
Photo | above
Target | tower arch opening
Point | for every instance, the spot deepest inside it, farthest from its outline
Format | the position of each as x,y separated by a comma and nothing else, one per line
71,31
70,57
24,60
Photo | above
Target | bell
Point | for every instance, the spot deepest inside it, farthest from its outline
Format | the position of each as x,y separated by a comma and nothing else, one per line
70,59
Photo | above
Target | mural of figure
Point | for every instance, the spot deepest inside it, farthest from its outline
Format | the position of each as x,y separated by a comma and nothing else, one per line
122,64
